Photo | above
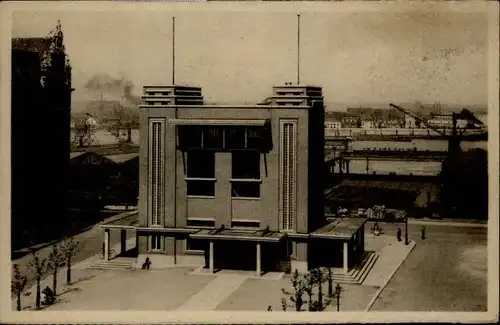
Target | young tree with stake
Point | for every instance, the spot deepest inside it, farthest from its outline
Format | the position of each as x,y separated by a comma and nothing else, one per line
69,249
56,260
294,297
38,265
18,284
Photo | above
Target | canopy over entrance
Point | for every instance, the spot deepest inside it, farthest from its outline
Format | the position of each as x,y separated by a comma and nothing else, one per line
243,235
339,228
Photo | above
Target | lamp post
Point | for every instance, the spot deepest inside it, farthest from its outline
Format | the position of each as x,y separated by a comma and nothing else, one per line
406,230
337,293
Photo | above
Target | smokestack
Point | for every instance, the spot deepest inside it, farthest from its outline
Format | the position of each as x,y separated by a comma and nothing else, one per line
298,49
173,51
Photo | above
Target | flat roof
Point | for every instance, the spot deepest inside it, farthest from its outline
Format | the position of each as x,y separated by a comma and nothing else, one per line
196,121
121,158
227,106
339,228
244,235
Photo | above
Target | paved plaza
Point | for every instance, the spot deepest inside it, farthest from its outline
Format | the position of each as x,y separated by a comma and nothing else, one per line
439,273
182,288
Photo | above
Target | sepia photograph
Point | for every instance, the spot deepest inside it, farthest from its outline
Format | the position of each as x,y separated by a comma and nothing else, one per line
267,158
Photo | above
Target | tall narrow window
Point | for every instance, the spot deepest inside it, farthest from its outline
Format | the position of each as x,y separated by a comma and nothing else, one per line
156,243
200,173
245,181
288,174
156,171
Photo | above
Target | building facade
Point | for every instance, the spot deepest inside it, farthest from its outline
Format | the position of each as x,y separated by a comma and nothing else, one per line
237,187
40,153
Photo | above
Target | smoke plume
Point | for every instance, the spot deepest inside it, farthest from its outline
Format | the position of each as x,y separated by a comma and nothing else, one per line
106,85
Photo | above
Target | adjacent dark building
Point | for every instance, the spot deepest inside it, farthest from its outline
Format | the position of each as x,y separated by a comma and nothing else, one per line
41,109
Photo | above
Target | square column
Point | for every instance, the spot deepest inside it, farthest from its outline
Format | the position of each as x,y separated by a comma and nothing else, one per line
123,241
346,257
363,238
106,244
259,268
211,253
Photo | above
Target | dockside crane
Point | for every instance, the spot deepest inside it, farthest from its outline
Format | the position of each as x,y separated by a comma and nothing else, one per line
456,134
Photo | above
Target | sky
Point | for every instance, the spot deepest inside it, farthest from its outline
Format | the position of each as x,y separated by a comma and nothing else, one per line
237,56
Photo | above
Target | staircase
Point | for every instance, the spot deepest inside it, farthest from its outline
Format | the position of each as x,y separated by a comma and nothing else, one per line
358,274
119,263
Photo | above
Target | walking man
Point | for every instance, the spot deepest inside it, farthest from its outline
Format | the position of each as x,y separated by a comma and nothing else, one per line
422,232
398,234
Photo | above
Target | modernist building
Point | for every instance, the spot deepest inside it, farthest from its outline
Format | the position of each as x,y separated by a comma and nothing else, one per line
237,187
41,108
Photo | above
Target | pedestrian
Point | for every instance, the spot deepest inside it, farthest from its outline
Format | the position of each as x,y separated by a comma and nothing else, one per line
398,234
422,232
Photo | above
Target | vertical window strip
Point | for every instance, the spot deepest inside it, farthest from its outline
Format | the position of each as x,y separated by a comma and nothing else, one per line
288,175
157,172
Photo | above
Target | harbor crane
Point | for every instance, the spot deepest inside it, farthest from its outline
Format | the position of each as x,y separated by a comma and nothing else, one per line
456,133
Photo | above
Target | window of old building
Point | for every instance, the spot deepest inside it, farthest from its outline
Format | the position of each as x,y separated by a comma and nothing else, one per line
200,173
200,223
288,174
156,171
195,245
245,181
156,242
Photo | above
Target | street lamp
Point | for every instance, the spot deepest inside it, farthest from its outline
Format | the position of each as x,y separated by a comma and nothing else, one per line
337,293
406,230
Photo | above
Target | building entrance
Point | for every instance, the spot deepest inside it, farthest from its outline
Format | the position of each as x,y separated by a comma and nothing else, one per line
235,255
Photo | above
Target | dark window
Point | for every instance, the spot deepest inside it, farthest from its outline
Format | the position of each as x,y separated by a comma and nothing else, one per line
245,189
195,244
245,224
200,188
213,137
200,223
246,164
200,166
190,137
156,242
256,138
236,137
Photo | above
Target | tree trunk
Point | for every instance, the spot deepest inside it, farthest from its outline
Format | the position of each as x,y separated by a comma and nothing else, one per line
19,300
38,298
320,297
298,303
68,272
54,281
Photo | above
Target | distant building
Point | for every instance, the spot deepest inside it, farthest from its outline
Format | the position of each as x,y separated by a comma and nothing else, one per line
41,109
410,122
333,124
350,121
367,122
445,121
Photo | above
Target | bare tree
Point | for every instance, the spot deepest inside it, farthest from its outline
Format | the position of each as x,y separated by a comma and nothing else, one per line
69,249
56,260
18,284
38,265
